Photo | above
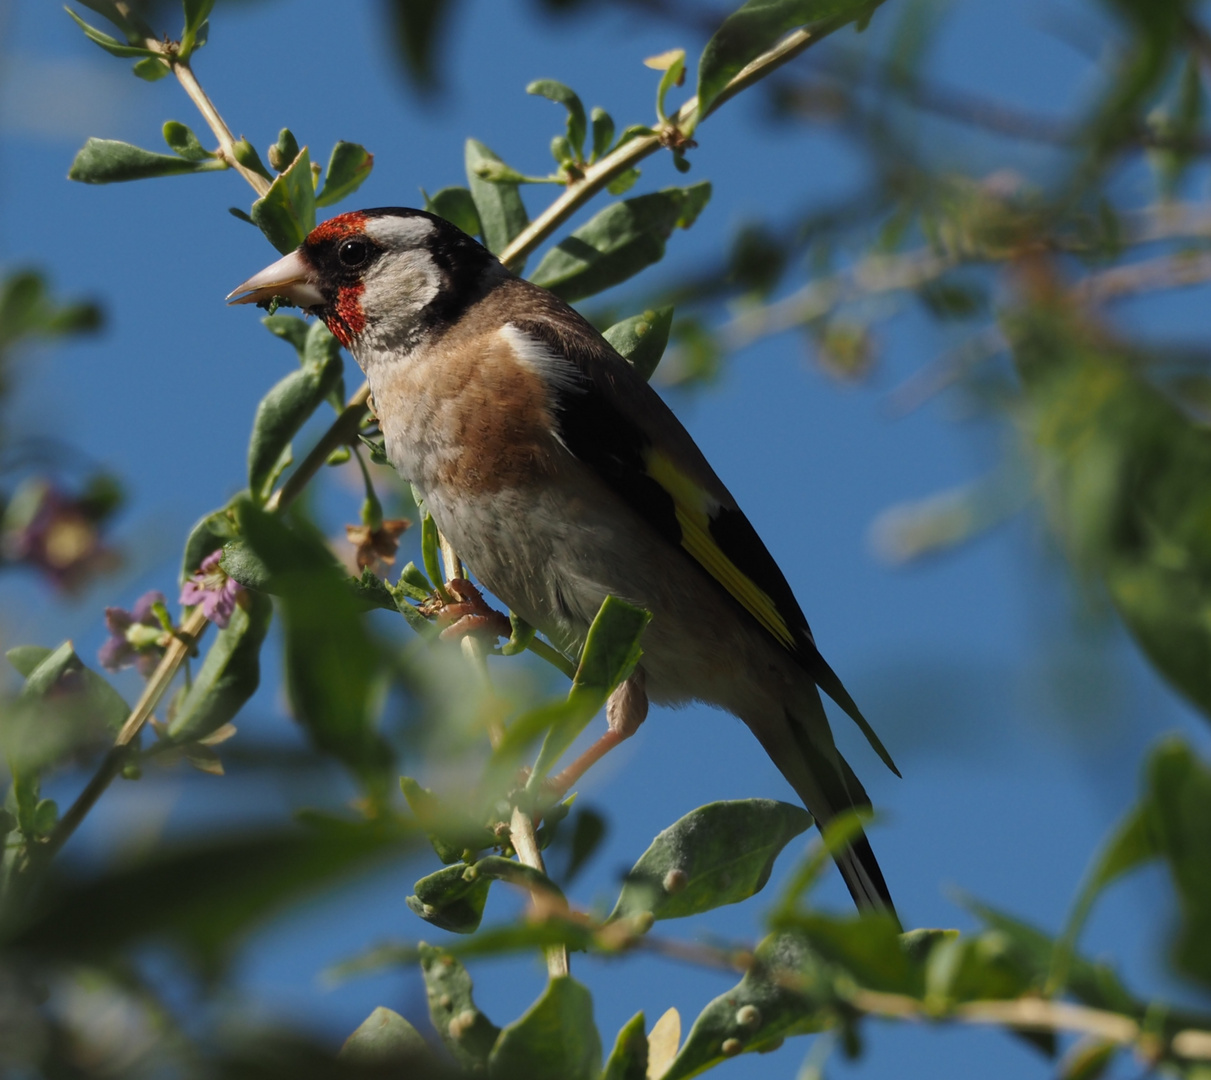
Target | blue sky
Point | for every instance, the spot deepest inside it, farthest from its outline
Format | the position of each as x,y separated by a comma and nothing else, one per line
963,663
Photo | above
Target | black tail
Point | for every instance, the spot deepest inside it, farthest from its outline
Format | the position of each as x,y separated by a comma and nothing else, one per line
833,788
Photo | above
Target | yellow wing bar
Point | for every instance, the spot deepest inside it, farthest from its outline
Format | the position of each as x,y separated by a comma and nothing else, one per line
693,506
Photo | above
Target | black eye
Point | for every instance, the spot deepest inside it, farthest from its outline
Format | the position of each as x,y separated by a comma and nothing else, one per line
353,252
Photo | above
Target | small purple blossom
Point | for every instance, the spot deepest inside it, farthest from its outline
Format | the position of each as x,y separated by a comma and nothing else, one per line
136,637
56,533
213,589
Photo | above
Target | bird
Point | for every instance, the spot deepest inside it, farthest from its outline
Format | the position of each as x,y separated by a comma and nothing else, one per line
560,476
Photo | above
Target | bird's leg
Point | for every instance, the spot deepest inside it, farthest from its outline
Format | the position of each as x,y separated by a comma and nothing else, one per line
625,711
470,614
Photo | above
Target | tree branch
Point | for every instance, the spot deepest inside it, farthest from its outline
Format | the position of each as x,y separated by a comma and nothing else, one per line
1039,1014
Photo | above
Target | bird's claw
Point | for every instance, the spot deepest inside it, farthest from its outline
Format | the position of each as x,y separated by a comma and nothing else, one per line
468,613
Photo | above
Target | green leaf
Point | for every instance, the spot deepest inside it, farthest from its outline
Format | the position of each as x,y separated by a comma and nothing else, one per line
333,667
1179,790
498,868
414,582
196,14
785,992
286,212
1132,844
618,242
429,550
150,69
45,677
990,966
451,899
229,675
623,182
289,328
588,831
555,1039
611,648
288,406
629,1058
756,27
835,837
284,151
372,591
672,63
869,947
641,339
110,44
611,651
28,310
489,941
1122,470
124,18
457,207
919,943
94,695
202,898
467,1033
1088,1060
207,535
1030,952
719,854
417,27
184,142
348,168
603,133
499,207
25,658
107,161
46,816
245,153
565,96
450,829
384,1037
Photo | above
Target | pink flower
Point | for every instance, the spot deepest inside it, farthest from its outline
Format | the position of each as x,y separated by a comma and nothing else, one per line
213,589
56,533
136,637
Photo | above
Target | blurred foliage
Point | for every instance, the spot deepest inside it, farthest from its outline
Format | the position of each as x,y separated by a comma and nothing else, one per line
1017,276
45,525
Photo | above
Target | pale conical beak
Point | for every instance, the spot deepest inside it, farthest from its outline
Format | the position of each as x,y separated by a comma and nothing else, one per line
290,278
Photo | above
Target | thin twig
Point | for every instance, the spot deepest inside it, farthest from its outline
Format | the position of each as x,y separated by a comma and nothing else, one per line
185,641
185,76
599,175
945,370
521,824
218,126
1037,1014
1149,275
525,843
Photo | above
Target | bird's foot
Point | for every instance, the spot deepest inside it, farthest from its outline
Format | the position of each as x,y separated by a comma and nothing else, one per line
625,711
468,613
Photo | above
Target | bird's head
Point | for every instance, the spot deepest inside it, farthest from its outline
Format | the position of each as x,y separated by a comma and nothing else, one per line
383,280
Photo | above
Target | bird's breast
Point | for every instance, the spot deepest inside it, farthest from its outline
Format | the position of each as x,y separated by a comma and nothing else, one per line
465,416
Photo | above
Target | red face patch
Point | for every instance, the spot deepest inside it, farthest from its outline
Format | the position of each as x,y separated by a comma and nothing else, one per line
345,318
338,228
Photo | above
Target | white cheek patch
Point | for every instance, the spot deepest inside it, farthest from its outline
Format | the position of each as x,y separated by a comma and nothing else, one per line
397,288
551,366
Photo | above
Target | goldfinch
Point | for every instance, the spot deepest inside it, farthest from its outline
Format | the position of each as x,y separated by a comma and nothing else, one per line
561,477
